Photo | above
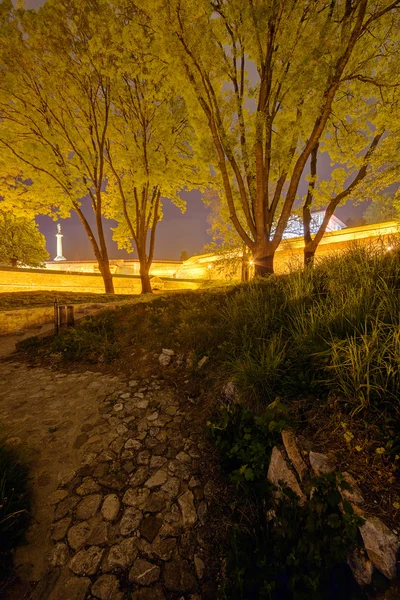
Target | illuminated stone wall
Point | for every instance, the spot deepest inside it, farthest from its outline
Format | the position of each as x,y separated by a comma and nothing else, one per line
176,274
27,280
159,268
290,252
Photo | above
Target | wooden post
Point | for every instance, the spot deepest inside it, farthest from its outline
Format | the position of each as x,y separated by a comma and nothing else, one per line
62,315
70,316
55,316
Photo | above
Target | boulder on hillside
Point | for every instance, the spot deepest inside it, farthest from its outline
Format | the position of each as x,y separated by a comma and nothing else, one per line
381,545
279,473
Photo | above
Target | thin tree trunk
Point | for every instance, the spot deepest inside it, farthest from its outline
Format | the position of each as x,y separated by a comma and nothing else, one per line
309,255
103,262
14,262
311,243
104,268
144,275
245,268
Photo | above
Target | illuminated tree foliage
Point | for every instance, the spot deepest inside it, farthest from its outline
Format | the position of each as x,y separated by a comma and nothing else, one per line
21,243
89,110
150,149
263,79
55,104
384,209
356,140
232,255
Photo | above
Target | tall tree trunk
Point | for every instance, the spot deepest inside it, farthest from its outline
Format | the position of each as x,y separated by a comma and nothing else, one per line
104,268
102,261
264,254
14,262
144,274
309,245
264,265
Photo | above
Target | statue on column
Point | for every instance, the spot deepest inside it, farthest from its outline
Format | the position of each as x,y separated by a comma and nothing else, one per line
59,237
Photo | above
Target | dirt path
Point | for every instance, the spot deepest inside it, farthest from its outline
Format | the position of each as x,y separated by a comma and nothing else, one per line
119,511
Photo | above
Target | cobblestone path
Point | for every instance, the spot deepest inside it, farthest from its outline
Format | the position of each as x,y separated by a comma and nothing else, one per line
119,511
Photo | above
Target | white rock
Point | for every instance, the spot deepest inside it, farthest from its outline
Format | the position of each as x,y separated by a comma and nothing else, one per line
110,508
361,567
186,504
106,587
136,497
59,555
144,572
289,441
121,555
278,471
153,416
352,495
199,566
164,360
130,521
322,463
167,352
78,534
202,362
159,478
183,457
229,391
381,545
132,444
86,562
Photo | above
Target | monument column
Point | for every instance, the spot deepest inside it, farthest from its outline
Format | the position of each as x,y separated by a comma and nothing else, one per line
59,237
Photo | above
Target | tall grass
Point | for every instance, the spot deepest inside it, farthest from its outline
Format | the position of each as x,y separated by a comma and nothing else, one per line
332,328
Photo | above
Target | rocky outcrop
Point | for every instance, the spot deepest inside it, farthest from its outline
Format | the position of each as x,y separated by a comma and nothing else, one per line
322,463
279,474
293,452
380,544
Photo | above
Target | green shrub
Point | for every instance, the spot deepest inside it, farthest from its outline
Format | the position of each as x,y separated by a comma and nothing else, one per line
299,551
245,441
14,501
94,340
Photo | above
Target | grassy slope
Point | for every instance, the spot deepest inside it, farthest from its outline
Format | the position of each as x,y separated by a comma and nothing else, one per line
326,342
15,300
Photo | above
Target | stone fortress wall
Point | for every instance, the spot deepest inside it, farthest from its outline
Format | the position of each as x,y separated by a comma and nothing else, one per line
84,276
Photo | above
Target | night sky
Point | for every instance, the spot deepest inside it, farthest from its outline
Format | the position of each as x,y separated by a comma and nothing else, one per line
175,233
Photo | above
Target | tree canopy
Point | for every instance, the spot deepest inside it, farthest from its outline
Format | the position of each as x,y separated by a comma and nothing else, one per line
21,242
89,110
126,103
385,208
267,82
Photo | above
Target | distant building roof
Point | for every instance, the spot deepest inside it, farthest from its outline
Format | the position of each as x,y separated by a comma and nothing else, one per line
295,225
